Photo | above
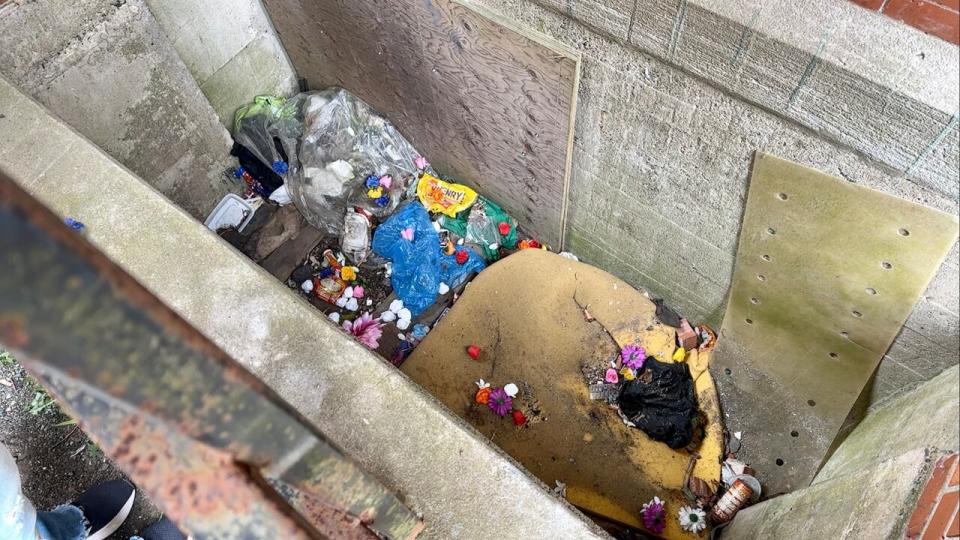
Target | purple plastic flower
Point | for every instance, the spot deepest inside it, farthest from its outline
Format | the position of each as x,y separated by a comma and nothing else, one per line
499,402
633,356
654,515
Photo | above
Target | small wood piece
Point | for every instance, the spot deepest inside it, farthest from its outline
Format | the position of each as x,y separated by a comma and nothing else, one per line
282,262
487,101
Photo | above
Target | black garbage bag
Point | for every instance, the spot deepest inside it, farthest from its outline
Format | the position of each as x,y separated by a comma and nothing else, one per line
661,401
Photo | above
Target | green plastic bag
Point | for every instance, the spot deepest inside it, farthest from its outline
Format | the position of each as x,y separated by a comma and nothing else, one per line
480,224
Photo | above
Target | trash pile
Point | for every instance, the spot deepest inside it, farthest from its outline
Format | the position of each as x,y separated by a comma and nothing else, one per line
399,239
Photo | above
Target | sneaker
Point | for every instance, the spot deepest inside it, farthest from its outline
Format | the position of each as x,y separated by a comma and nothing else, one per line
162,530
106,506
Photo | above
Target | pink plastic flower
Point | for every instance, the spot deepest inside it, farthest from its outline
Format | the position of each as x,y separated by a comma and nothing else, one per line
366,329
633,356
407,234
358,291
499,402
421,163
612,377
386,181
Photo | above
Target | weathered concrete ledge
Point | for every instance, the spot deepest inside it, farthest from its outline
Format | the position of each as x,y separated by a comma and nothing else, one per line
849,74
463,485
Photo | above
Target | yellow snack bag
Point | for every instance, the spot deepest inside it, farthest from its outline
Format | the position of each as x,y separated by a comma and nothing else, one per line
443,197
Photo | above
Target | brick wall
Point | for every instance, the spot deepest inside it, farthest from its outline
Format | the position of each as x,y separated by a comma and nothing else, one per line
936,516
940,18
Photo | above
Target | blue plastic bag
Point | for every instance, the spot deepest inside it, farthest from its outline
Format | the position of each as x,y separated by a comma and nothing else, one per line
454,274
408,239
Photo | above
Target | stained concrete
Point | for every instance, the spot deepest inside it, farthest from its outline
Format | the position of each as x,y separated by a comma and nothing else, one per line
230,48
106,68
870,484
677,95
462,485
926,417
866,504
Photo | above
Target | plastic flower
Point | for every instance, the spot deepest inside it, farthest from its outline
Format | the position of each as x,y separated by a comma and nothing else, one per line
483,395
611,376
372,182
375,193
518,418
628,374
386,181
407,234
366,329
653,515
348,273
499,402
633,356
421,163
693,519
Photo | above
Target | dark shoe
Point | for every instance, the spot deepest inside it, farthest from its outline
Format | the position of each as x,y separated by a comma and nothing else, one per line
106,506
163,530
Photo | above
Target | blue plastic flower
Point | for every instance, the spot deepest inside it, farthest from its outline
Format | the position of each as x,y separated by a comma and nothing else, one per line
280,167
239,172
383,201
74,224
372,182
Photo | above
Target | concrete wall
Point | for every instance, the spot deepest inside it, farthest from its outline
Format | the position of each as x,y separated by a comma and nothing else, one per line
676,97
106,68
230,48
869,486
461,484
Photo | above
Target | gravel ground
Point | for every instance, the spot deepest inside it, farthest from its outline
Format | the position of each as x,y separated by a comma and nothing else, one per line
56,462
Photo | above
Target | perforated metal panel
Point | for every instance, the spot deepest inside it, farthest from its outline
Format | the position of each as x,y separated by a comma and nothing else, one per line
826,274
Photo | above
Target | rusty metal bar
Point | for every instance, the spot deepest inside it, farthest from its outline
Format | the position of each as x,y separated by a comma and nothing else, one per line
188,424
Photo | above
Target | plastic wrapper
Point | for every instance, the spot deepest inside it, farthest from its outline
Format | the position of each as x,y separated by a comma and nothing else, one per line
345,143
453,273
269,129
482,225
408,239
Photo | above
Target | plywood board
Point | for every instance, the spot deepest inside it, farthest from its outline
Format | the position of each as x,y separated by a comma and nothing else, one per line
826,274
486,101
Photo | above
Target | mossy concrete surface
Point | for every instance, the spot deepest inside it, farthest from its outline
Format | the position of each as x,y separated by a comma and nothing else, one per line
928,417
461,484
870,485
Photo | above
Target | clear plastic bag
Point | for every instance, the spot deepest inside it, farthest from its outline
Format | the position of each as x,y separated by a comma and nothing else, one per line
409,240
344,142
267,126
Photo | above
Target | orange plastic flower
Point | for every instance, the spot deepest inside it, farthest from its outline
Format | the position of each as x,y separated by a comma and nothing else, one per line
483,395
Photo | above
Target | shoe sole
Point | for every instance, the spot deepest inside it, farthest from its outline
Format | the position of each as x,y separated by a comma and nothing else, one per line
116,522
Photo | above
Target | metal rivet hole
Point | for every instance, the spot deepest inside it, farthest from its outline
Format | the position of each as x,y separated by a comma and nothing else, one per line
727,371
766,258
834,355
771,231
749,321
794,433
871,291
754,300
845,335
782,196
811,402
779,462
857,314
903,232
761,277
886,265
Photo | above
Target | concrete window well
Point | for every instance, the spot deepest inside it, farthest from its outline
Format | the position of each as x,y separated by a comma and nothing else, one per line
482,268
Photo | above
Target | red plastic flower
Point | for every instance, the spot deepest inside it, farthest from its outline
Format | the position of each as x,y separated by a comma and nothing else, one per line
518,418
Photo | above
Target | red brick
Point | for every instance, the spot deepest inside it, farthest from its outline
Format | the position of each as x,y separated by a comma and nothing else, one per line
955,479
954,530
930,495
872,5
949,4
942,516
927,16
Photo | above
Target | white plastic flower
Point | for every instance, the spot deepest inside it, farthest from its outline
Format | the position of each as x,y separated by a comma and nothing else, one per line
511,390
693,519
482,384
